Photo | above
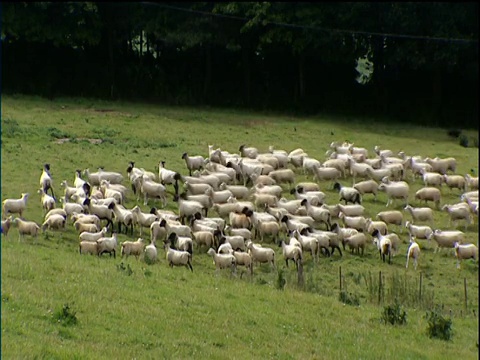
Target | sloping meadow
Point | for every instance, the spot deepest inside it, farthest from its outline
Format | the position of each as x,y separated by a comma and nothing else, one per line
58,304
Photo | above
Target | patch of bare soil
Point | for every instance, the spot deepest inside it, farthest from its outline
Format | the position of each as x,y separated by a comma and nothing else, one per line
91,141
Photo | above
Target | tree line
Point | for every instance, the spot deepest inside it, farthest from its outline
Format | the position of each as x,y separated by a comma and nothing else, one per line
419,60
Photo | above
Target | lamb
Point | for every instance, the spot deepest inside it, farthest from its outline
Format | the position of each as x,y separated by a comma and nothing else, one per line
122,216
193,162
419,232
316,198
413,252
102,211
446,238
81,227
320,215
71,190
135,248
6,224
56,212
420,214
338,164
142,219
92,236
245,233
429,194
309,165
244,259
47,201
379,174
358,169
203,237
441,166
110,176
152,190
249,152
471,182
356,242
291,252
26,228
219,168
14,206
203,199
87,247
263,200
71,208
187,208
432,178
393,217
261,254
465,251
348,194
238,191
343,232
350,210
326,237
158,230
371,226
321,173
283,176
85,219
150,253
119,187
457,212
166,176
107,245
383,244
237,242
54,222
395,190
220,196
108,192
455,182
241,220
395,240
93,179
177,257
223,261
267,228
182,243
46,180
367,187
358,223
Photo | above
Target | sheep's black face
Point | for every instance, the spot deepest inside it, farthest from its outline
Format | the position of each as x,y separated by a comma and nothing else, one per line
293,191
337,186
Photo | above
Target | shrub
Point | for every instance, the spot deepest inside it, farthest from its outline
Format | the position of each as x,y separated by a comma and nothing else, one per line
65,316
280,282
394,314
349,298
463,141
438,326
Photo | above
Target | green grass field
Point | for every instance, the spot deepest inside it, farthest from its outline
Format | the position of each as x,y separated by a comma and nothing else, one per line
126,309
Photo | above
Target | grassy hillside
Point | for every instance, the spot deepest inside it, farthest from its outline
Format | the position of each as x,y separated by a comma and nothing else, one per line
127,309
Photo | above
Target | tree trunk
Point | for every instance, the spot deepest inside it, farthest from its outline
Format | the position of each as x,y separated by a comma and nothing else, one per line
301,76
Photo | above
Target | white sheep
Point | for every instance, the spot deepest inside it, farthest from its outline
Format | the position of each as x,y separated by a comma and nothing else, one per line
356,242
395,190
54,222
167,176
6,224
177,257
350,210
455,182
393,217
46,181
384,245
143,219
181,243
317,213
371,226
261,254
223,261
420,214
111,176
316,198
358,169
150,253
291,252
413,252
367,187
429,194
47,201
432,178
358,223
107,245
419,231
249,152
238,191
193,162
88,247
283,176
92,236
26,228
348,194
102,211
446,238
343,232
465,251
122,216
135,248
460,211
471,182
158,230
244,259
81,227
14,206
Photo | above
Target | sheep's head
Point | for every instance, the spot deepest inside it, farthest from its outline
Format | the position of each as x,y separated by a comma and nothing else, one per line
337,186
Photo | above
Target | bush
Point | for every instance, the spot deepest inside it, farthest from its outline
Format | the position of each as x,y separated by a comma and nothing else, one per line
280,282
349,298
65,316
438,326
463,141
394,314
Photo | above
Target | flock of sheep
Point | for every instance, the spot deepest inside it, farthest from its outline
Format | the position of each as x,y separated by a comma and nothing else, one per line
247,194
